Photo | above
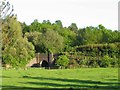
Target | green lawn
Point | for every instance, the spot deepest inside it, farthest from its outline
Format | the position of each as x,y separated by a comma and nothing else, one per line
98,78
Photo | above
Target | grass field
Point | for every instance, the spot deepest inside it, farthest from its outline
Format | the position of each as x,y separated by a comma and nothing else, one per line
87,78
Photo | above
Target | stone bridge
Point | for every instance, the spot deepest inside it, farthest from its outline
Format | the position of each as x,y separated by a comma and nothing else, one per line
42,60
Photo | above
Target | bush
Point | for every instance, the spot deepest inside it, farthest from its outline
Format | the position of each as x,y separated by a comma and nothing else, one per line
105,62
19,58
93,63
83,63
114,62
62,61
73,64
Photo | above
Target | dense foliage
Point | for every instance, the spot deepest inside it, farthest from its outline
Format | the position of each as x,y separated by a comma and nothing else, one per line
92,46
62,61
95,55
16,50
89,46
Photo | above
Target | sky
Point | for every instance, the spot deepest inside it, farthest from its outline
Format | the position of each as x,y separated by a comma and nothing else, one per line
82,12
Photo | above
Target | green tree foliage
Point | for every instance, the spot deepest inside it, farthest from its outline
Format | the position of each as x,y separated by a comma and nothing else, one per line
106,61
46,25
51,41
90,35
93,46
96,42
34,38
73,27
59,23
25,28
62,61
69,36
96,35
17,51
6,9
10,30
97,55
35,26
110,36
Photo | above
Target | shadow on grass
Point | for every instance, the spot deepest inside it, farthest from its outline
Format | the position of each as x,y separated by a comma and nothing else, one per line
111,79
73,80
77,83
74,84
5,77
26,88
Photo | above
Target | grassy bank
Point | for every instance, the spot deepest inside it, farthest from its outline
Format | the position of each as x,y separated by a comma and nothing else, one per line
97,78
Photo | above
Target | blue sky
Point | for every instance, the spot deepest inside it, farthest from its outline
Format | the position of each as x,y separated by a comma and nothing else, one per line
82,12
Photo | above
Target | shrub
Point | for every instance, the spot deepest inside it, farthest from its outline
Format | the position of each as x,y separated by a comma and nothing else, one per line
82,63
105,62
62,61
114,62
73,63
93,63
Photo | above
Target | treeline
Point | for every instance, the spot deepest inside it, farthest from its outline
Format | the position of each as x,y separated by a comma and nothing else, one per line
21,41
79,47
47,36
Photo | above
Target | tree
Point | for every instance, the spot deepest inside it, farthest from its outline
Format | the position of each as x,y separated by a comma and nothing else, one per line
25,28
34,38
69,37
96,35
101,27
62,61
59,23
5,10
73,27
11,31
35,26
87,36
16,50
51,41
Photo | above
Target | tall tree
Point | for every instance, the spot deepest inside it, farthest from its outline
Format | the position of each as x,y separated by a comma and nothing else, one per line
34,38
25,28
35,26
59,23
73,27
51,41
17,51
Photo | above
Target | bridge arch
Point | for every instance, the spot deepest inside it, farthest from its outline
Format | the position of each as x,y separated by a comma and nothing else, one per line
44,63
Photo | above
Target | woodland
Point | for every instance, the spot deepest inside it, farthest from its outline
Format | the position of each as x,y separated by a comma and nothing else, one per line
79,47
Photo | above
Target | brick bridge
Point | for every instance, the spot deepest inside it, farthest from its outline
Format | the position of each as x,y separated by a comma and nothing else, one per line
42,60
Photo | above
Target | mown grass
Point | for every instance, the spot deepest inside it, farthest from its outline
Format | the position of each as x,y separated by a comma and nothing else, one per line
83,78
